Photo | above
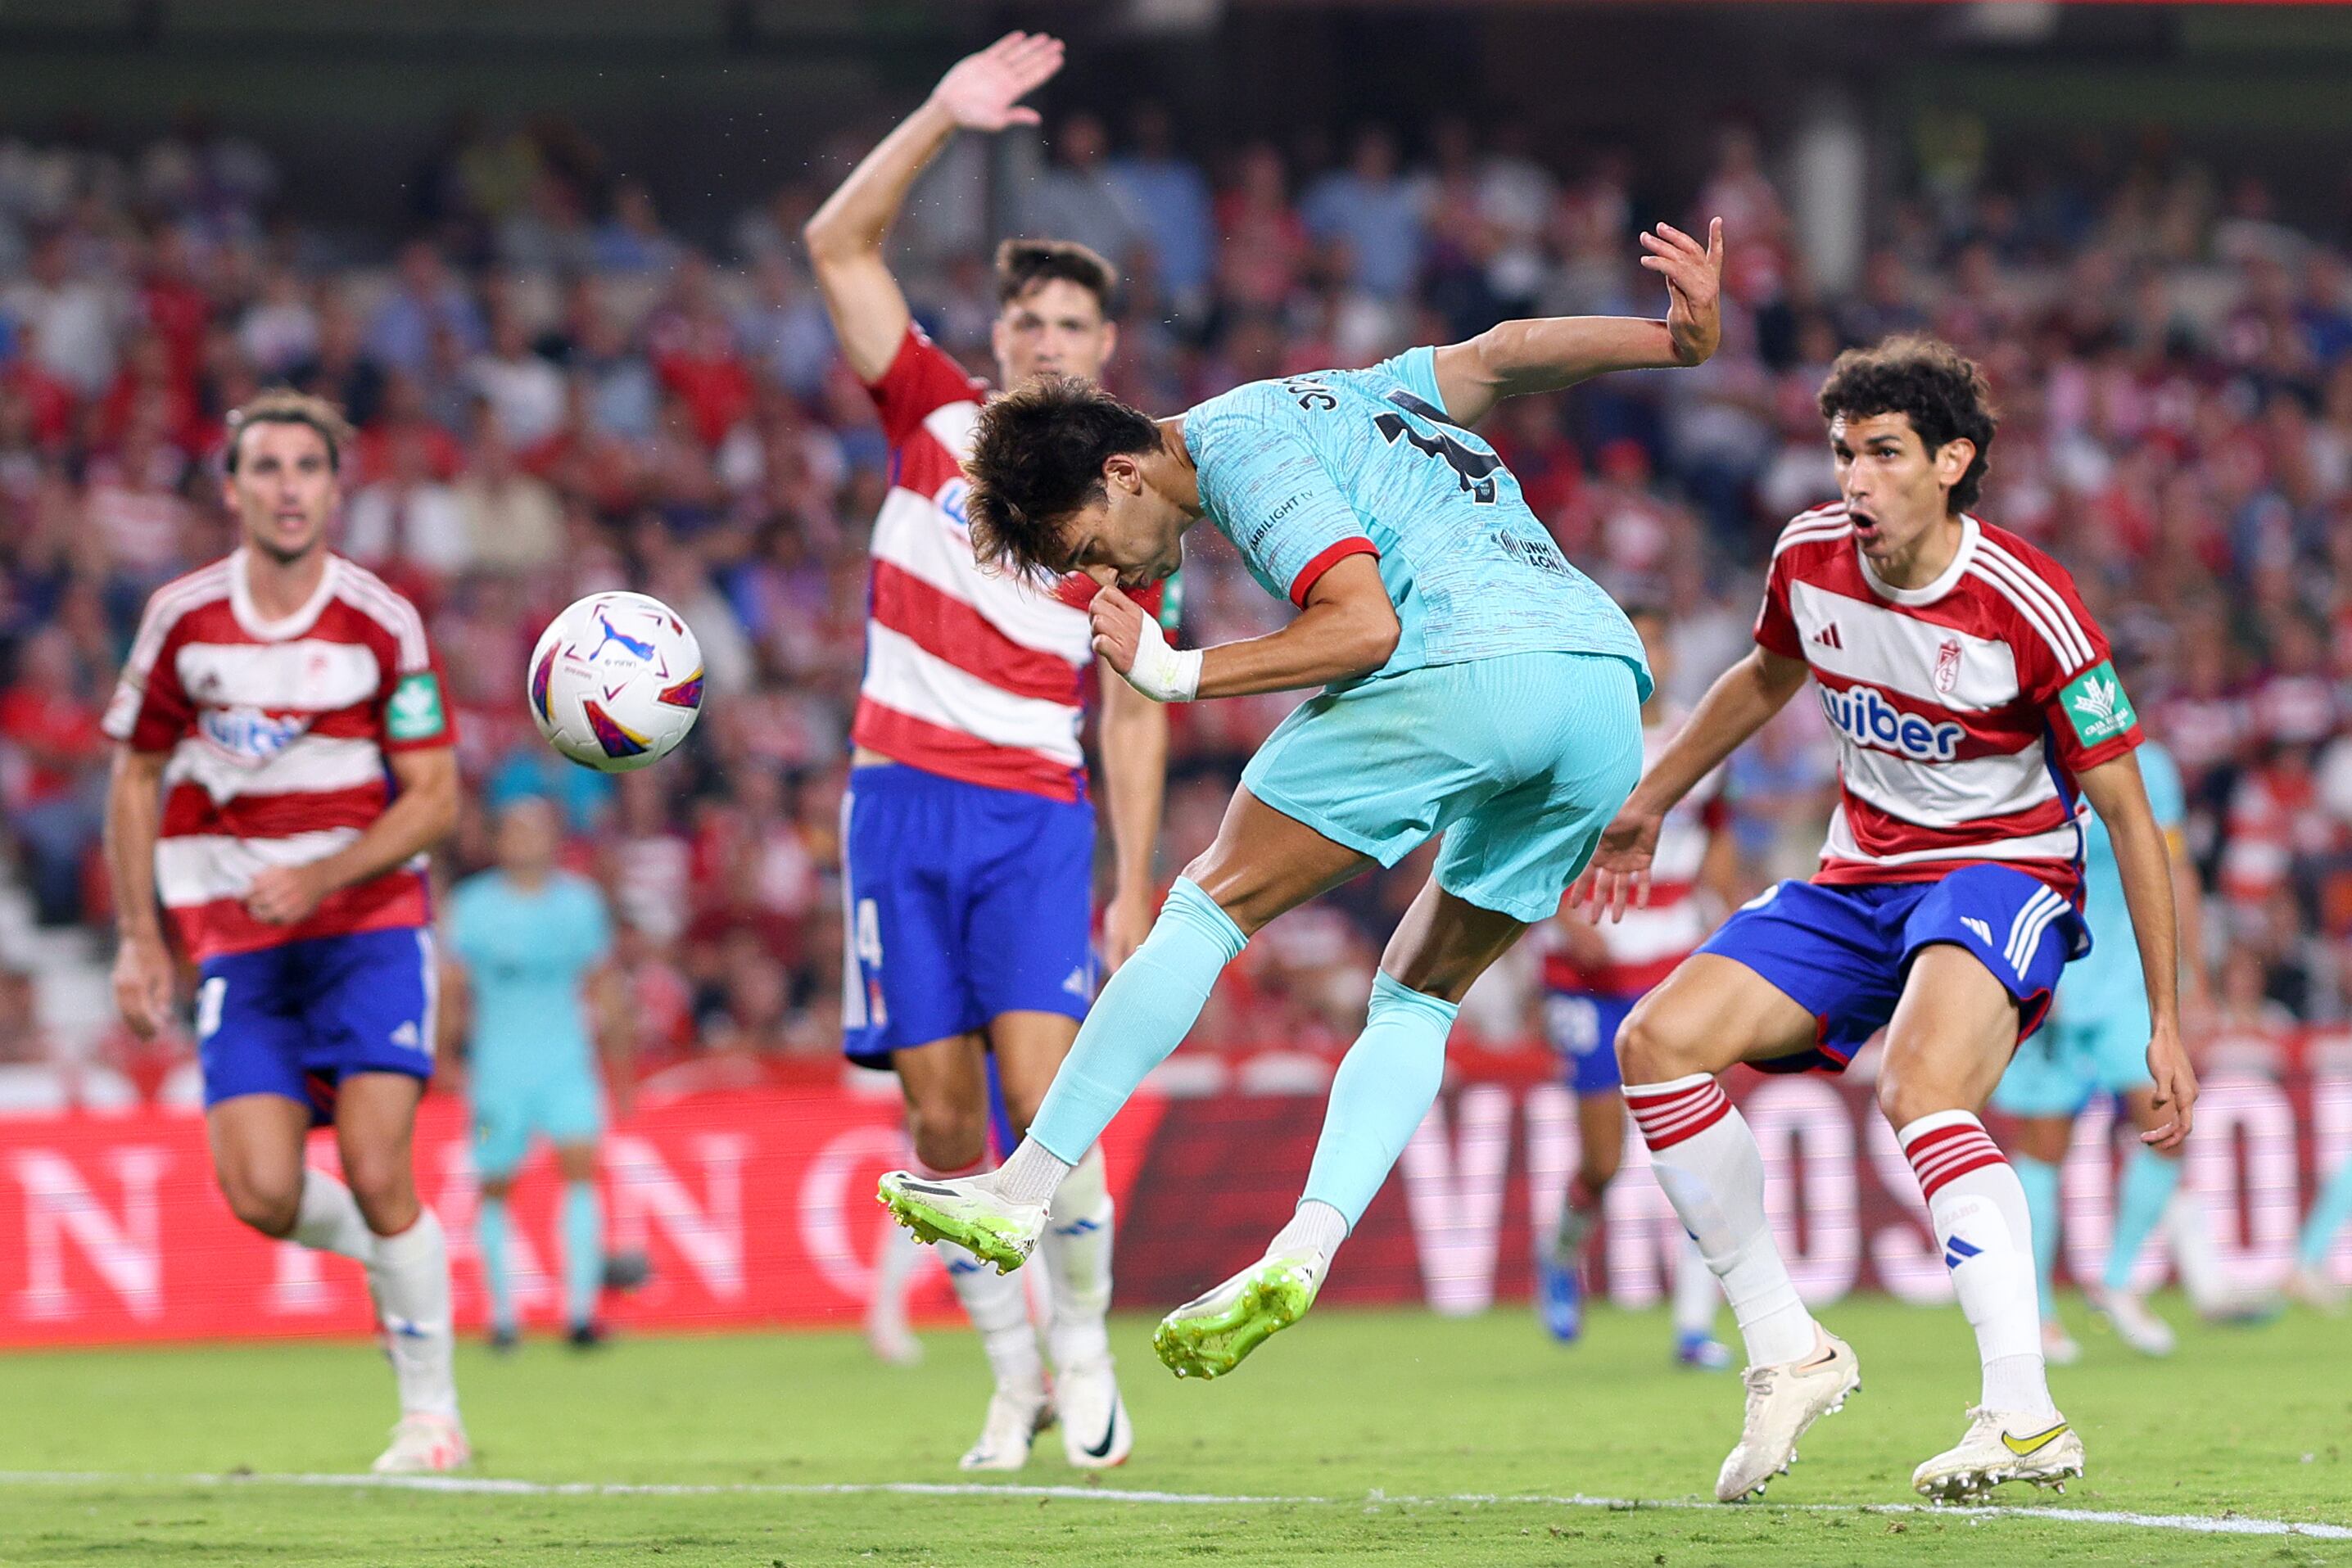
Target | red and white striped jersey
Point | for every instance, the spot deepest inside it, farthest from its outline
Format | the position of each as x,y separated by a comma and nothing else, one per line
1963,709
968,673
277,733
1646,944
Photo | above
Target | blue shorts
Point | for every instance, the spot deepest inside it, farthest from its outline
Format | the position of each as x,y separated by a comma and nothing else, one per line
2073,1060
961,903
1519,760
565,1106
1583,1027
296,1018
1842,953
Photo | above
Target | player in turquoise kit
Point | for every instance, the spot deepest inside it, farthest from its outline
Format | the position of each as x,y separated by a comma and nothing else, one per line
1476,687
2097,1043
530,944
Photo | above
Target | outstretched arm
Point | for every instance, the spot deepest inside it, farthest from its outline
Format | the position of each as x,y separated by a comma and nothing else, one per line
2117,793
980,92
1739,703
1522,357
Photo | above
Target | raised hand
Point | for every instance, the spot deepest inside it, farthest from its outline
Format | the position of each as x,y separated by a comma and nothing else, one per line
983,91
1693,286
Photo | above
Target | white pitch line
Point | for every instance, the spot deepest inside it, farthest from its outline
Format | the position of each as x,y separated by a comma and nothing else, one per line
490,1486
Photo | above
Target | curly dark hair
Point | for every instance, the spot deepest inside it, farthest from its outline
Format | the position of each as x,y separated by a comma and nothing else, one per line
1022,264
1945,395
1036,457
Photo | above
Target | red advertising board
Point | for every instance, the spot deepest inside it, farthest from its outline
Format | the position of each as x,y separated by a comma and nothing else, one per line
756,1206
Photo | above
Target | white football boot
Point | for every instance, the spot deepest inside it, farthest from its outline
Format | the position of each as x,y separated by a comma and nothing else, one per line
968,1211
1999,1448
1015,1416
1784,1399
2059,1348
2128,1313
424,1444
1096,1434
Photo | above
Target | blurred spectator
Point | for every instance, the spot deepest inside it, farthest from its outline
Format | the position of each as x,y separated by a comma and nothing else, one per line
1171,196
1371,215
53,763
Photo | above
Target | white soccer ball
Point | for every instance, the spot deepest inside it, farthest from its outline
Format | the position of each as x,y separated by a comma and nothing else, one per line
616,681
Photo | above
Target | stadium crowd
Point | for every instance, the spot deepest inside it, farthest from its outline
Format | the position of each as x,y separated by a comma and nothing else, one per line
558,391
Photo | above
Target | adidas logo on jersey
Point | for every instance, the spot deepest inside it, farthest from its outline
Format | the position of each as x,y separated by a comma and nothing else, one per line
1866,718
1828,636
1983,931
405,1036
1077,983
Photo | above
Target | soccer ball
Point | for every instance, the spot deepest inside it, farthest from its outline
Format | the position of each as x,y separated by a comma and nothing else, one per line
616,681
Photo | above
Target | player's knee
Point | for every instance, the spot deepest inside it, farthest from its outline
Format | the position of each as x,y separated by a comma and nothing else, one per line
268,1204
1650,1050
1905,1096
949,1137
385,1193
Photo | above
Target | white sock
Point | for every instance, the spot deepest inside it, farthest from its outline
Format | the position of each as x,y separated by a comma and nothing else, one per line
894,1269
1696,1292
410,1275
2190,1230
1707,1162
328,1219
1314,1226
1979,1216
1077,1251
1032,1174
997,1304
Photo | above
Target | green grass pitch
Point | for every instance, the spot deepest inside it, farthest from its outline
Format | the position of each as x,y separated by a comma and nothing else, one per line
1384,1436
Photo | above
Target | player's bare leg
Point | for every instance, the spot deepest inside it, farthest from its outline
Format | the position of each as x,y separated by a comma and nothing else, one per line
946,1087
1950,1039
1560,1257
1710,1013
408,1269
1383,1089
1077,1249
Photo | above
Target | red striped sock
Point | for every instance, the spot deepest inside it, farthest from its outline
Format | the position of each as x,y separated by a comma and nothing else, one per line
1680,1108
1947,1144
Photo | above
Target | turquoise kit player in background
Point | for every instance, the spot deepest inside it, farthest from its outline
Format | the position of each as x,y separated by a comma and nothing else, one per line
1477,686
2097,1043
529,989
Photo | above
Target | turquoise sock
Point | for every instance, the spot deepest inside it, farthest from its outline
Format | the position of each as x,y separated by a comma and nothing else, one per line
490,1231
1142,1014
2327,1216
584,1250
2040,1180
1384,1087
2150,1181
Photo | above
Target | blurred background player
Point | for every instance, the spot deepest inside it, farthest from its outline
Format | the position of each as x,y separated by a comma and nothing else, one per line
1592,976
1973,696
283,760
2096,1043
969,840
529,986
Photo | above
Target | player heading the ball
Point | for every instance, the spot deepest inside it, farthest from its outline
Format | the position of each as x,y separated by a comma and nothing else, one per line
1477,687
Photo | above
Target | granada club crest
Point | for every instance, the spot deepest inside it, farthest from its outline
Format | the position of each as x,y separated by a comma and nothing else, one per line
1947,666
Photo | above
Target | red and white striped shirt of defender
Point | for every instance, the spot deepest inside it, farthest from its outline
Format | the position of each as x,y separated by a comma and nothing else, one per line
969,673
1646,944
1963,709
277,733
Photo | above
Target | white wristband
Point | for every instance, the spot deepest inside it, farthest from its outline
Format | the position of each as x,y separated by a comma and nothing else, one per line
1163,674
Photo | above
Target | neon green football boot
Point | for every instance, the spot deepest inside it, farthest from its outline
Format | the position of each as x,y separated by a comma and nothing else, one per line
1209,1336
968,1211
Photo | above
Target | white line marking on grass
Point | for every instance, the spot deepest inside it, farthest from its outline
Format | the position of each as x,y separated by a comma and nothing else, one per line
492,1486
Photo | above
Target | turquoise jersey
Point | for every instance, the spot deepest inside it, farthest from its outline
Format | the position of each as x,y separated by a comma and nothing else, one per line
1302,472
2108,980
527,957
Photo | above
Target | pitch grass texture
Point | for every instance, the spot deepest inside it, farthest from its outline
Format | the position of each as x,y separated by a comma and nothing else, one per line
1364,1409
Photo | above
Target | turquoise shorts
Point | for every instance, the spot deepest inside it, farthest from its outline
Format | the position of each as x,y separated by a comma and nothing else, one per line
565,1108
1519,760
2076,1057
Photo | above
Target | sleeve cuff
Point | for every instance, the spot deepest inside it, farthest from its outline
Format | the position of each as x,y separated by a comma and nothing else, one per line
1325,559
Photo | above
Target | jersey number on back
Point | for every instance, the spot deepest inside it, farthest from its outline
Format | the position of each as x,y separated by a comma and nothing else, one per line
1475,469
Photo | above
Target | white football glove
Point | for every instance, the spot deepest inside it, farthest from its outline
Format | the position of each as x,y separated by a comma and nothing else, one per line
1163,674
